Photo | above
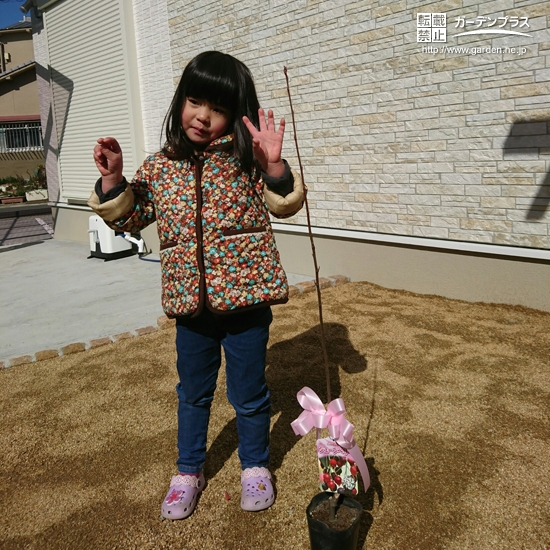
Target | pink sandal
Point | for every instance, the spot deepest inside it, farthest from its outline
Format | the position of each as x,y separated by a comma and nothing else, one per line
181,498
257,492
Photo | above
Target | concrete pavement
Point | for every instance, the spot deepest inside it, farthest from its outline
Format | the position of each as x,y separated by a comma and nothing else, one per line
52,296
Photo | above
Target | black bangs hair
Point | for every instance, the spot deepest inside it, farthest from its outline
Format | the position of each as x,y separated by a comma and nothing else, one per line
223,80
214,81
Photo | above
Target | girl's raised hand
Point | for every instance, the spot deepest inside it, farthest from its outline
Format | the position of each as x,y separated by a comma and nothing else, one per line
267,143
108,159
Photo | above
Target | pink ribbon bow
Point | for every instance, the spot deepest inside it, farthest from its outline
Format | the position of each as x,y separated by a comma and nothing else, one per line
333,417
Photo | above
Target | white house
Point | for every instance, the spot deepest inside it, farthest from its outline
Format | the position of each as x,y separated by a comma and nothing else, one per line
423,126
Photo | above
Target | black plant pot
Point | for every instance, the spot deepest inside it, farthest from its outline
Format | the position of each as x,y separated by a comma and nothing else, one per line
324,537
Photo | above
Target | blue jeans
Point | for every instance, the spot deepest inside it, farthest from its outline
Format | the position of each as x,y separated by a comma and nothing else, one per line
199,341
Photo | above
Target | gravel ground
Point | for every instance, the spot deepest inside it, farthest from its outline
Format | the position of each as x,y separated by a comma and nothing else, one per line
449,401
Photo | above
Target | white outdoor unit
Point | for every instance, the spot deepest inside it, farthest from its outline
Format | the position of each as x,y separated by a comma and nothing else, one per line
106,243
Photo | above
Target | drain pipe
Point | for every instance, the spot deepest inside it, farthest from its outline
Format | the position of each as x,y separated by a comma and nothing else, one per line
140,243
2,57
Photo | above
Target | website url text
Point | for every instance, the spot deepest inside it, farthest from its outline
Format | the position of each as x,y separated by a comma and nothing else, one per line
475,50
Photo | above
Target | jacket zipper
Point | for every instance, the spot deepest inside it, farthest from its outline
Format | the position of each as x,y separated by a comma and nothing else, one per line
198,222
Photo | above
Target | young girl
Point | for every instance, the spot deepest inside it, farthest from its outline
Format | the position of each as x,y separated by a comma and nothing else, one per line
207,190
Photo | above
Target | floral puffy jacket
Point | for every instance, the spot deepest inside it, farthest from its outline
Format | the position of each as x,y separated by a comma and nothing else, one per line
217,248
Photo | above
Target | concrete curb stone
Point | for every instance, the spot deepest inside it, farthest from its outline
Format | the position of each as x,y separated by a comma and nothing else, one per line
23,360
122,336
146,330
306,286
324,282
77,347
339,280
46,354
100,342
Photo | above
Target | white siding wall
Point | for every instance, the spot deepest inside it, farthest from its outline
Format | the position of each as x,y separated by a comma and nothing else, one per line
94,89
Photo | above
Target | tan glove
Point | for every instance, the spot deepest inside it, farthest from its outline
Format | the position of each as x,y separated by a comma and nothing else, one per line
115,208
292,203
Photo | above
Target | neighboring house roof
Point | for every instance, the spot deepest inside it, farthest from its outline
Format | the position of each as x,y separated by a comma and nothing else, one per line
22,25
19,118
8,75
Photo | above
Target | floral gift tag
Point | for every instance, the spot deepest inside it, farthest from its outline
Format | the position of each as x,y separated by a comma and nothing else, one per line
337,469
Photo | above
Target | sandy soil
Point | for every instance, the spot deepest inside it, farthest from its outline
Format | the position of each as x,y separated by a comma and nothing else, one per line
450,401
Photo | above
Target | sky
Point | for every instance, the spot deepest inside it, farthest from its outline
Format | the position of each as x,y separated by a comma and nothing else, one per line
10,12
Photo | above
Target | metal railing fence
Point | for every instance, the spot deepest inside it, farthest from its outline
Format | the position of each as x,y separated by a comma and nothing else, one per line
16,137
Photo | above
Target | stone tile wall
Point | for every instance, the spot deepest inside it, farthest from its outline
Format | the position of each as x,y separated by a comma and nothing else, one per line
155,68
396,137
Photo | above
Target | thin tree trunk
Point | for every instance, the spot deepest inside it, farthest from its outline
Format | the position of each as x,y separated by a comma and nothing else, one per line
317,284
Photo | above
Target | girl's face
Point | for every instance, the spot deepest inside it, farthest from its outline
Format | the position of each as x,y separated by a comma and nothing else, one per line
203,122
